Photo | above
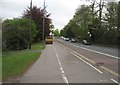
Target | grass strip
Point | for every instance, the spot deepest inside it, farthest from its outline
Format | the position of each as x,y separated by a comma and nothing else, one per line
14,63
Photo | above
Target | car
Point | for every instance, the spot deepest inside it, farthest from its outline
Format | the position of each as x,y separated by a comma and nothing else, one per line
73,40
49,40
66,39
85,42
61,37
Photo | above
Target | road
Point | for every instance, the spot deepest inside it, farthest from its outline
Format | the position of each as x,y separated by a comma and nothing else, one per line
106,50
63,63
97,56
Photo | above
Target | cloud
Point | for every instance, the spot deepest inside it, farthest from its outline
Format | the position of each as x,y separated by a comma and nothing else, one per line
61,10
12,9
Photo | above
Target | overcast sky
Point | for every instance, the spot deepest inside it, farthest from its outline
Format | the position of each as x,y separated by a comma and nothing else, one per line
61,10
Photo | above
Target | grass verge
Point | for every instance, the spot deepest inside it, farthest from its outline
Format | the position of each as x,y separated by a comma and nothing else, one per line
15,63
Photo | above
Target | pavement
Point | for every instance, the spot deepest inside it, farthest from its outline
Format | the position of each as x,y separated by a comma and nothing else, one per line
58,64
45,70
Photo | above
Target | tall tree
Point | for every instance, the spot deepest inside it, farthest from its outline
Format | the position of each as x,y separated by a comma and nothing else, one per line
118,13
37,16
111,15
83,17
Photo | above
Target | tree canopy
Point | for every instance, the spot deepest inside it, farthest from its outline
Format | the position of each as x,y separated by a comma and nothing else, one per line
15,33
96,22
37,16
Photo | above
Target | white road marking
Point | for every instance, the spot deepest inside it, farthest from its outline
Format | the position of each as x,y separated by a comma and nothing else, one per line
115,81
103,80
87,63
114,73
94,62
93,50
61,68
96,52
65,80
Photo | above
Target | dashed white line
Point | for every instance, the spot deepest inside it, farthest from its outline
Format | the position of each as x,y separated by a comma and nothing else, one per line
87,63
115,81
61,68
65,80
93,62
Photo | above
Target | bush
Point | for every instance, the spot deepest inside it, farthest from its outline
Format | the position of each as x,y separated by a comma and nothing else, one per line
16,33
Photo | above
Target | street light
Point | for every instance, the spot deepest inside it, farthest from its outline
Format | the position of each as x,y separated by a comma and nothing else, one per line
30,25
43,19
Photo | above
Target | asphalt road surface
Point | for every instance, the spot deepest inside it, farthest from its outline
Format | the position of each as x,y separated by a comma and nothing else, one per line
63,63
113,52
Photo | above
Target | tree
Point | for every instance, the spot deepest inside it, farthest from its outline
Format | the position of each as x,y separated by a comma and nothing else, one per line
83,17
0,34
118,14
16,33
56,32
37,17
111,22
118,27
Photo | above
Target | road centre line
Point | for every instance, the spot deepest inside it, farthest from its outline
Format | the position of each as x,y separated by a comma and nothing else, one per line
87,63
61,68
96,52
116,74
92,50
115,81
91,61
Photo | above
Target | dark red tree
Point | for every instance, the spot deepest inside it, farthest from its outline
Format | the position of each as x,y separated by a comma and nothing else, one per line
37,17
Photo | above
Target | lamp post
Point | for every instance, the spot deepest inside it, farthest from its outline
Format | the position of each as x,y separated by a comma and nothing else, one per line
30,25
43,19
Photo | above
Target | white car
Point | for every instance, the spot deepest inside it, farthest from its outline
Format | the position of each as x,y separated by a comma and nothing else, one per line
85,42
73,40
66,39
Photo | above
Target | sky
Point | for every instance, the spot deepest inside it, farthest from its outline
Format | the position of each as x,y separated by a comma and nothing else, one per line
61,10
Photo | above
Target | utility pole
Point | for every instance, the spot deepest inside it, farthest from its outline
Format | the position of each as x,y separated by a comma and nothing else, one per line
43,19
30,40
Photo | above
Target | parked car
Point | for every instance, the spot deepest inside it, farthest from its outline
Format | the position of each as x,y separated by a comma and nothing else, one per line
73,40
61,37
66,39
85,42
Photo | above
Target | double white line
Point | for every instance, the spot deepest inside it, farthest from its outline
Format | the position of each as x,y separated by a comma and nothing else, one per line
74,53
79,57
91,61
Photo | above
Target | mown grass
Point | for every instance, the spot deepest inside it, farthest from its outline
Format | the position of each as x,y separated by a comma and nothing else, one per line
38,46
14,63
